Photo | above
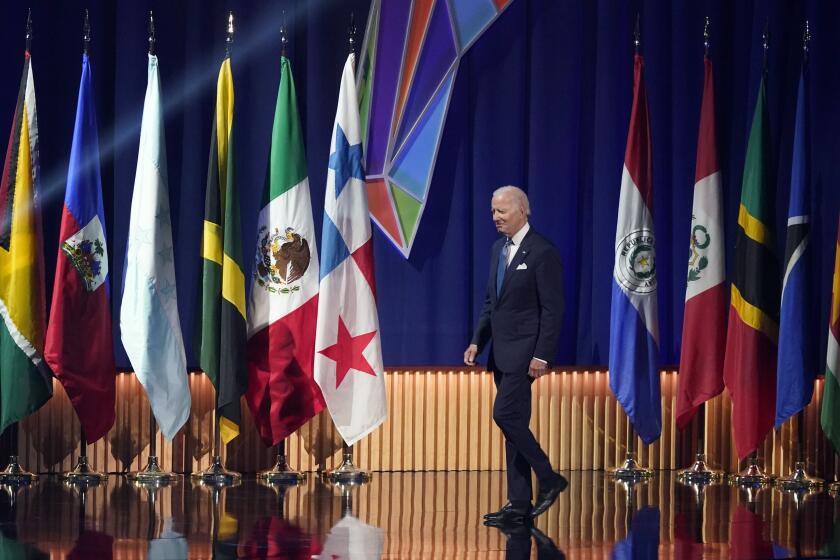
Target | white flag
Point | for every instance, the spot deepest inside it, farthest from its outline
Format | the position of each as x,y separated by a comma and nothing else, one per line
348,353
149,323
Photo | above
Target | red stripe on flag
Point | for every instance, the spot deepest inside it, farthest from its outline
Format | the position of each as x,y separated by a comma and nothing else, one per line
79,343
282,394
637,157
750,375
707,162
701,358
364,260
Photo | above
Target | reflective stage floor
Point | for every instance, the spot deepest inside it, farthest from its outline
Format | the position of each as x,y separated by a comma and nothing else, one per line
412,515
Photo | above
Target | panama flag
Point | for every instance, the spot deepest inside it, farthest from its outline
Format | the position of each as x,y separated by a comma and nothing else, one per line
830,412
149,323
79,347
634,328
348,357
704,323
25,379
283,309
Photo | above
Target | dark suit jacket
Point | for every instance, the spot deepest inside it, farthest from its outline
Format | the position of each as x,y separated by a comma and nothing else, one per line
524,320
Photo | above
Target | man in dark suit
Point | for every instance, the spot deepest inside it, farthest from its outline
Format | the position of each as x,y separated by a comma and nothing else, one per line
522,316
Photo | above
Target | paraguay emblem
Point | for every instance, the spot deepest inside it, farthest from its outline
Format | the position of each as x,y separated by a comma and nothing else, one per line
700,240
636,262
86,250
281,259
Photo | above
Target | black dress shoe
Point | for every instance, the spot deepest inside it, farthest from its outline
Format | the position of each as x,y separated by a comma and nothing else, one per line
503,511
548,493
546,549
508,515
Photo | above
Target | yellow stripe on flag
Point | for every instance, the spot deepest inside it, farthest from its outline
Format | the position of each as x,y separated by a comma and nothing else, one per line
211,242
228,429
224,122
233,284
754,317
754,229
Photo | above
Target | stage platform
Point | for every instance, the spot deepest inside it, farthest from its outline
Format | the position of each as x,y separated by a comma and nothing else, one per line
412,515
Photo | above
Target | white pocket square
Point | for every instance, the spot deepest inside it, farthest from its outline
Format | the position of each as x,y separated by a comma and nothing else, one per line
522,266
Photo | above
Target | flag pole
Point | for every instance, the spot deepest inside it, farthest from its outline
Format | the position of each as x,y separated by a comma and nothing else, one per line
630,468
82,474
799,478
216,474
699,471
281,474
13,473
152,474
347,474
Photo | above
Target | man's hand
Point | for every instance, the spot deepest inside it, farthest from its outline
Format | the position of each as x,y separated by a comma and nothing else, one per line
538,368
469,354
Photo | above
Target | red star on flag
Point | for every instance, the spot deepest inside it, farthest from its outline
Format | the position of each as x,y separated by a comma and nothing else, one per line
347,352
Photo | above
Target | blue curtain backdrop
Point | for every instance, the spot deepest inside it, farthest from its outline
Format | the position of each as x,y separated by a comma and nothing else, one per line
542,100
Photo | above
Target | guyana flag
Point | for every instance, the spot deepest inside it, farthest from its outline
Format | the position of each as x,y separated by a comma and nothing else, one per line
830,414
25,379
283,308
222,326
749,369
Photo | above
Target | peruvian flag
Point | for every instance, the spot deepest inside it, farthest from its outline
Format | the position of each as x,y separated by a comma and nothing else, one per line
282,394
704,323
79,341
348,353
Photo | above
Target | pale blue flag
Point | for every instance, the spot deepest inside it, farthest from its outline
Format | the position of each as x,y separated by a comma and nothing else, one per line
149,323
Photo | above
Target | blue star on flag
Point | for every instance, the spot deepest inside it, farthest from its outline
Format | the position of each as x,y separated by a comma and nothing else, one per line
346,161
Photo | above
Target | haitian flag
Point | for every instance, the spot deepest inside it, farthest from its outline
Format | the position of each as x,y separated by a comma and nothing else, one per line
634,327
704,322
749,368
797,367
348,357
79,339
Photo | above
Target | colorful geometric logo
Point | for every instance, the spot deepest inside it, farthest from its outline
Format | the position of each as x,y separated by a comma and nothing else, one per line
410,59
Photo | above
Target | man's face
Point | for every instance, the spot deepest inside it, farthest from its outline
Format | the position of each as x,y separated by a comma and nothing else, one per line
508,214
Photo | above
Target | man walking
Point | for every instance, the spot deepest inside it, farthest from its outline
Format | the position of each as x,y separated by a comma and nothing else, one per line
522,315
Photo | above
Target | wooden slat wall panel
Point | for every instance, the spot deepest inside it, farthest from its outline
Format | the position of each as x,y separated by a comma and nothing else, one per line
437,420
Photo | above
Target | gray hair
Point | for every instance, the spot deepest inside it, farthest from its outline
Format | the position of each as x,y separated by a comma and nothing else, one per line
518,195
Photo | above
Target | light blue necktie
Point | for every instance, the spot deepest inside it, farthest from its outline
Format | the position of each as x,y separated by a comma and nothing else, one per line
503,264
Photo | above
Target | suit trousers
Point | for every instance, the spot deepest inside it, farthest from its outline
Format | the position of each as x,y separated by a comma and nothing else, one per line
512,413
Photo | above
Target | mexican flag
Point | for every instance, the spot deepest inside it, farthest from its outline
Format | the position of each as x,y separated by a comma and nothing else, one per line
283,307
830,415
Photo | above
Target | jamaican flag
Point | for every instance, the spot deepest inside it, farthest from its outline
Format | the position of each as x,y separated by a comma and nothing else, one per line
749,369
222,325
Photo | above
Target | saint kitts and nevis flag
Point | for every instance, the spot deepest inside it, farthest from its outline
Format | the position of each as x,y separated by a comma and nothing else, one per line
797,366
79,347
348,353
704,322
283,307
221,328
749,369
149,322
634,328
25,379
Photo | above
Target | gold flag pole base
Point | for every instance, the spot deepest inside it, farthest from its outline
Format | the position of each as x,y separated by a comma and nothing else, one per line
799,479
347,473
153,475
752,475
281,474
15,474
630,469
217,475
82,474
834,488
699,472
